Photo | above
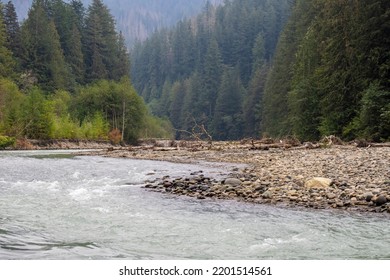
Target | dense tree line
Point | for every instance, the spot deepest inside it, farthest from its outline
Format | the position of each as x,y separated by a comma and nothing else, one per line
211,69
331,72
64,73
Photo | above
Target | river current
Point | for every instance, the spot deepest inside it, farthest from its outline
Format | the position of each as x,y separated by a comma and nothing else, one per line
57,206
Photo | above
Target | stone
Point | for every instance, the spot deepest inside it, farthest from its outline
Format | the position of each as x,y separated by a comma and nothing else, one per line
380,200
167,184
267,194
232,182
340,204
330,195
318,182
368,196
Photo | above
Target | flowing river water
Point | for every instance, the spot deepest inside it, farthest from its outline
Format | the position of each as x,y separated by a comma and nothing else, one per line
56,206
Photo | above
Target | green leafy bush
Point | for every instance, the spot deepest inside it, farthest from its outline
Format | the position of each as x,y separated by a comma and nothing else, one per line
6,141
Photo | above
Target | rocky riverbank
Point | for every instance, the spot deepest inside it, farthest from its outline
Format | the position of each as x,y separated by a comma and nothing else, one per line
338,176
60,144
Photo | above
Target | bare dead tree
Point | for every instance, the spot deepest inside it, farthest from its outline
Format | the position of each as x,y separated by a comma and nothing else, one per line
198,133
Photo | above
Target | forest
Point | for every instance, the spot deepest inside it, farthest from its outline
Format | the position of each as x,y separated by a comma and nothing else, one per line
260,68
211,70
64,74
137,19
244,69
330,74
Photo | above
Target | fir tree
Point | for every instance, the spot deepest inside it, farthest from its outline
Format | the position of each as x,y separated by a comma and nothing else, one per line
7,62
12,29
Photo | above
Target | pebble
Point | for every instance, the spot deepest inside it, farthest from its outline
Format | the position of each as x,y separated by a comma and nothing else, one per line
318,178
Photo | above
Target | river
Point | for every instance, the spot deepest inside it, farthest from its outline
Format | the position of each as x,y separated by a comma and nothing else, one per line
57,206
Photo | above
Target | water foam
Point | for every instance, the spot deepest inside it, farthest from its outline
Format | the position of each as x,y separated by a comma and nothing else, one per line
80,194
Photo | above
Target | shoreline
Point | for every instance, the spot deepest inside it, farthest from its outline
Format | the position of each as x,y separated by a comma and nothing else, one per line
344,177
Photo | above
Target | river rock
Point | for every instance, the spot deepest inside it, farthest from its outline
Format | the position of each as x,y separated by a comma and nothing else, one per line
232,182
318,182
330,195
368,196
267,194
380,200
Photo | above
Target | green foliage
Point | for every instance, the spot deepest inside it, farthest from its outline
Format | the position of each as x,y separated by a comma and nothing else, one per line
63,127
95,127
60,47
37,115
374,117
7,62
6,141
156,128
228,115
11,113
43,55
117,101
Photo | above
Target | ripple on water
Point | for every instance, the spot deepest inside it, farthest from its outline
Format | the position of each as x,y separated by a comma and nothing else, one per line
63,208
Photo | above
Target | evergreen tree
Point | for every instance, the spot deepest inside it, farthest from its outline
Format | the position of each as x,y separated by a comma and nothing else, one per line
101,43
42,49
7,62
75,57
275,108
12,29
122,68
211,80
176,108
252,103
227,122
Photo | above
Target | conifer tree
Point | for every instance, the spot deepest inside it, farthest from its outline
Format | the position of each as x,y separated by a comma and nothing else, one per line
227,122
7,62
12,29
43,54
101,42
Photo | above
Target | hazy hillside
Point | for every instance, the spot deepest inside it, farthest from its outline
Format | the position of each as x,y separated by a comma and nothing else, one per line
137,19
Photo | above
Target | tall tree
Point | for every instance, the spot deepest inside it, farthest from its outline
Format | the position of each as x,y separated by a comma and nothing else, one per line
12,29
227,122
43,54
7,62
102,43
